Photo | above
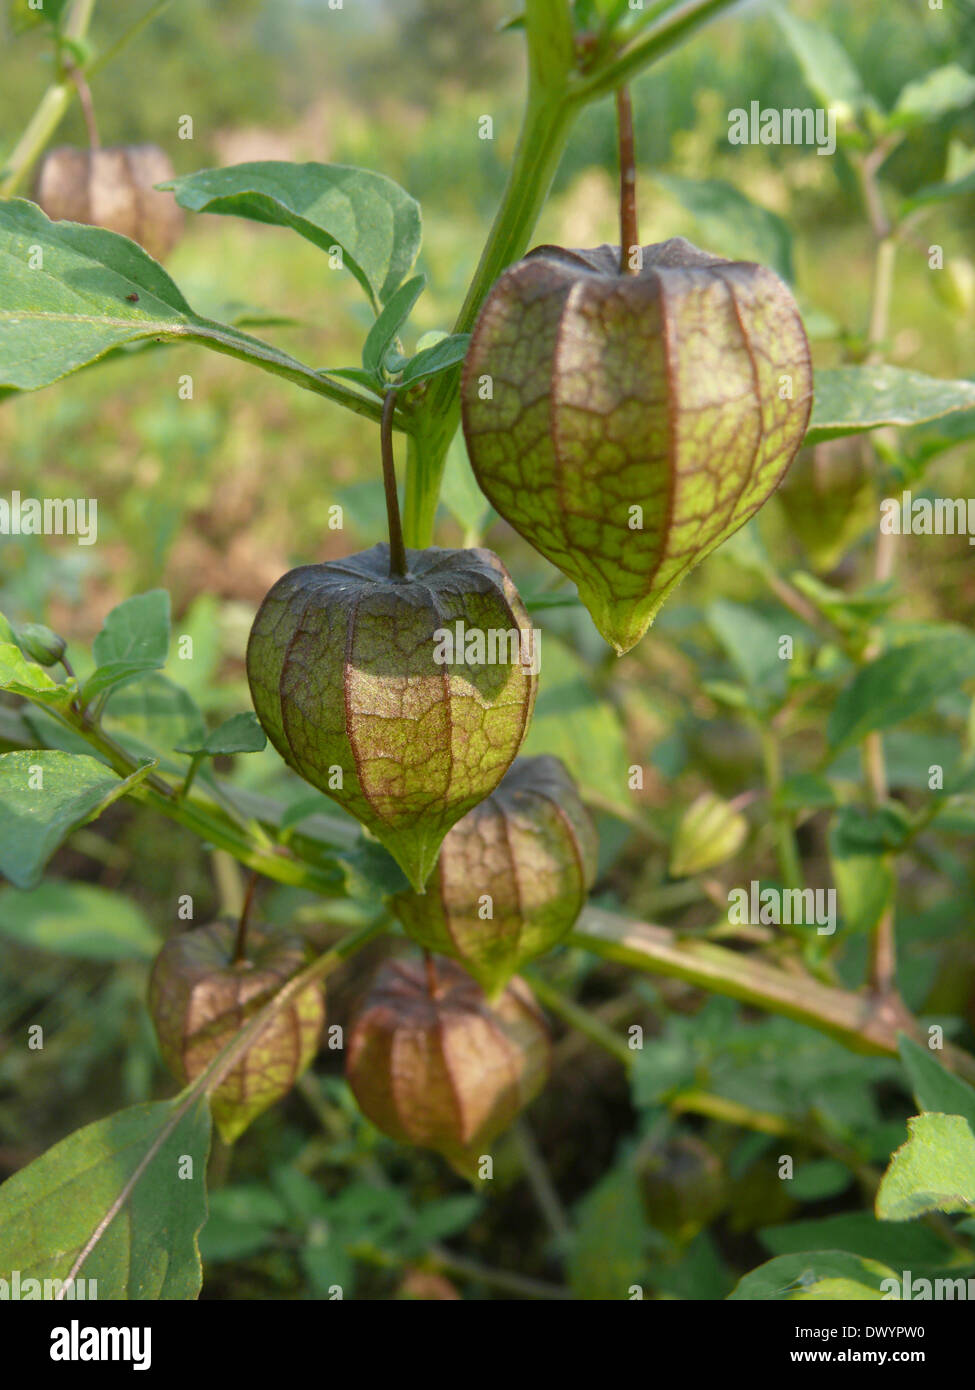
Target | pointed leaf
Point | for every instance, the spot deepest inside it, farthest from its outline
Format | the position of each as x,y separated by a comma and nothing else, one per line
34,820
849,400
389,323
902,682
372,219
933,1171
131,1172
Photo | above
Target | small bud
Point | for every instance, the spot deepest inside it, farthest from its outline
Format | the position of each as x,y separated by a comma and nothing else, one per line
709,833
432,1064
199,998
530,848
40,643
681,1184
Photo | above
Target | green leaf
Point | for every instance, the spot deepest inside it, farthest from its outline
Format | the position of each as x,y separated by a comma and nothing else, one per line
732,224
34,820
937,192
849,400
864,879
374,222
933,1171
389,323
934,1087
136,630
99,291
944,89
752,644
827,1275
160,714
609,1241
131,1172
77,919
574,724
460,493
22,677
241,733
826,66
901,683
439,357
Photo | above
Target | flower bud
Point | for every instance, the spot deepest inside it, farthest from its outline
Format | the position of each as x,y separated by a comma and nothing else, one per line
40,643
432,1064
627,424
200,997
362,688
512,876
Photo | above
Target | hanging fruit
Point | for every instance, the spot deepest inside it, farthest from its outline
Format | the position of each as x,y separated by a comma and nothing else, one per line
512,876
431,1063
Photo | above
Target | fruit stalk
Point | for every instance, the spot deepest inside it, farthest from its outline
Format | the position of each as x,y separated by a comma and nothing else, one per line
629,228
397,550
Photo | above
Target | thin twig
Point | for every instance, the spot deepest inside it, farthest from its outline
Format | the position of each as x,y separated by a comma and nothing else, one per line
629,229
397,551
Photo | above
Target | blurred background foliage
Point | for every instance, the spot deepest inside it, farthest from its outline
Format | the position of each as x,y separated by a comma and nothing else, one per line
215,498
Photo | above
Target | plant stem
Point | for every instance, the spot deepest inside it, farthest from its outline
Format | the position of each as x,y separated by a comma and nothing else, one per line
629,228
862,1022
50,110
790,864
541,142
570,1012
673,28
240,943
87,107
397,551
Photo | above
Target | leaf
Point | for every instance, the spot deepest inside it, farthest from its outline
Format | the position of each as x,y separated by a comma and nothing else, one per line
50,1210
849,400
460,493
160,714
934,1087
944,89
821,1274
860,1233
389,323
609,1240
81,307
933,1171
439,357
937,192
33,822
900,683
372,219
826,66
574,724
752,644
77,919
864,879
732,224
241,733
22,677
136,630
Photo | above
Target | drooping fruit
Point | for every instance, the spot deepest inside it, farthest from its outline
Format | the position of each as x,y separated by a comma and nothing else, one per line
404,699
681,1184
113,188
199,998
512,876
710,831
431,1063
830,499
627,424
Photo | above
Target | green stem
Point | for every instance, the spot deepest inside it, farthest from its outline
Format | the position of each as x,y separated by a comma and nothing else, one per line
50,111
862,1022
790,865
570,1012
540,145
673,29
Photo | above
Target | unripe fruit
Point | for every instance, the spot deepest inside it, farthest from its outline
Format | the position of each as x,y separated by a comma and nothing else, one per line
627,424
710,831
199,998
439,1067
681,1184
113,188
512,876
347,673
